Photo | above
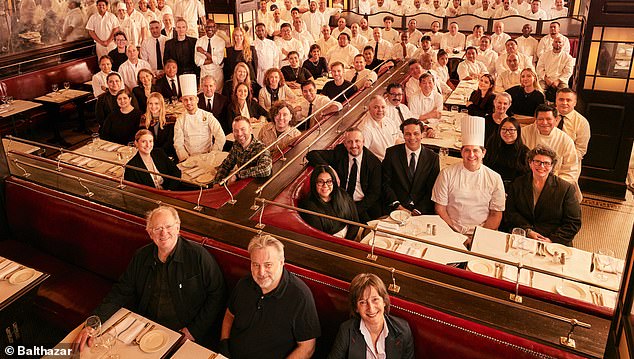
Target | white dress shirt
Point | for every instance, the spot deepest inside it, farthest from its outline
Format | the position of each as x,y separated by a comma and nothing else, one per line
498,42
191,11
129,72
102,27
148,51
269,56
420,104
379,136
488,58
217,54
345,55
467,67
527,46
555,66
453,42
546,45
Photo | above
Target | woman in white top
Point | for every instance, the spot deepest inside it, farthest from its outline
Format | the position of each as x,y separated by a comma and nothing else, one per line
275,89
99,84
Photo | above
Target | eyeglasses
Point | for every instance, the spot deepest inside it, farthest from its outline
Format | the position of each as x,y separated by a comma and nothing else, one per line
161,228
545,164
396,94
508,130
324,183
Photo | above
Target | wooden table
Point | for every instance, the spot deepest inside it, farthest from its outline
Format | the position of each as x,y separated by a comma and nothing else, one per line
17,146
416,227
55,100
460,95
577,266
171,339
202,168
17,107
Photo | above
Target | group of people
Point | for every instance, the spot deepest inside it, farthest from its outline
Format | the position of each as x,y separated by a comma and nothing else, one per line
517,177
270,313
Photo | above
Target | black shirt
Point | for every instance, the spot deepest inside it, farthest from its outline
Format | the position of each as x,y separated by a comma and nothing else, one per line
117,58
270,325
337,92
121,127
299,75
183,53
524,103
318,69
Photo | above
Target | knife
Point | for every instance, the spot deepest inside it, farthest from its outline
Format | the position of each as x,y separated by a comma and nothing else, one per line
592,263
508,243
146,331
141,333
117,322
424,252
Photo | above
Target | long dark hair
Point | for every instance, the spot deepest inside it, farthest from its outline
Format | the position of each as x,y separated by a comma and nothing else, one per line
477,94
339,199
495,143
234,97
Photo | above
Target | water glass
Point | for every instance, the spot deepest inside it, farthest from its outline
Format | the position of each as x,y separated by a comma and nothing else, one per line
604,264
9,100
55,88
94,141
66,85
93,325
518,238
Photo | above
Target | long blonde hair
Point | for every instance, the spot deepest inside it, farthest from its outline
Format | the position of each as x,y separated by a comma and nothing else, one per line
234,80
536,84
246,45
148,114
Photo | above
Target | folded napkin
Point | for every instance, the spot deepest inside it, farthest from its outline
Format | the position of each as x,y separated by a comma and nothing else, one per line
510,273
128,335
80,161
196,171
615,267
388,226
8,269
410,248
110,147
527,245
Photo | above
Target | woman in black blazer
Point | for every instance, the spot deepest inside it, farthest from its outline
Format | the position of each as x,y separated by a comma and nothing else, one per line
555,215
145,81
243,104
151,159
370,305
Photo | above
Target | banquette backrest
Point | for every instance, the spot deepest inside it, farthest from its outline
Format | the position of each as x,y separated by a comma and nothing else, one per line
102,240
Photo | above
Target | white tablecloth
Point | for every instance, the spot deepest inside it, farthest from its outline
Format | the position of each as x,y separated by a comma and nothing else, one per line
461,94
202,168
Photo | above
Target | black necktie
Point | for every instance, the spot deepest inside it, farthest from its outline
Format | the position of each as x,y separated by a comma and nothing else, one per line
560,125
310,109
400,114
159,57
209,50
208,105
173,88
411,169
354,78
352,178
376,50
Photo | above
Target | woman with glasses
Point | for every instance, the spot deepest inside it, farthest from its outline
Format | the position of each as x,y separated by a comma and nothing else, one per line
372,332
154,160
542,203
326,197
506,153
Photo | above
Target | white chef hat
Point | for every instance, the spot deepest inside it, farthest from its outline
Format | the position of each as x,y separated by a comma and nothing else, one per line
189,86
472,131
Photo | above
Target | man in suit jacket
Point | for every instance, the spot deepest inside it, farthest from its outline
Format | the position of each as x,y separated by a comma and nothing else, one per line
409,172
209,96
364,184
168,85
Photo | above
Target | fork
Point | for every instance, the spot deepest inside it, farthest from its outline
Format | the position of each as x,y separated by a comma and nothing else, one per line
595,298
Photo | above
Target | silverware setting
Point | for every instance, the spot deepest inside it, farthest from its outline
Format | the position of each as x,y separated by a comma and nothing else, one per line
530,280
597,296
508,243
541,249
6,276
128,327
143,331
116,323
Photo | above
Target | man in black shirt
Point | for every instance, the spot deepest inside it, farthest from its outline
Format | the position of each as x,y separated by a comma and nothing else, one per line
172,281
182,50
338,88
271,313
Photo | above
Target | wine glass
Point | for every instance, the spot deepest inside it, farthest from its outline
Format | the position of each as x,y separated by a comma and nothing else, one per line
9,100
174,100
66,85
4,100
55,88
443,153
518,238
130,151
604,264
93,326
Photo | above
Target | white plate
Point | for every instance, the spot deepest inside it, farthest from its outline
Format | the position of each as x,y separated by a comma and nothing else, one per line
205,178
188,163
122,149
66,156
481,267
551,248
400,216
571,290
22,276
93,163
153,341
381,242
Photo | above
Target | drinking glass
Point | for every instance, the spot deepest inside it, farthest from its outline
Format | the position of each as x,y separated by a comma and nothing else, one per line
443,153
94,141
130,150
4,100
55,88
9,100
174,100
604,264
93,325
66,85
107,340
